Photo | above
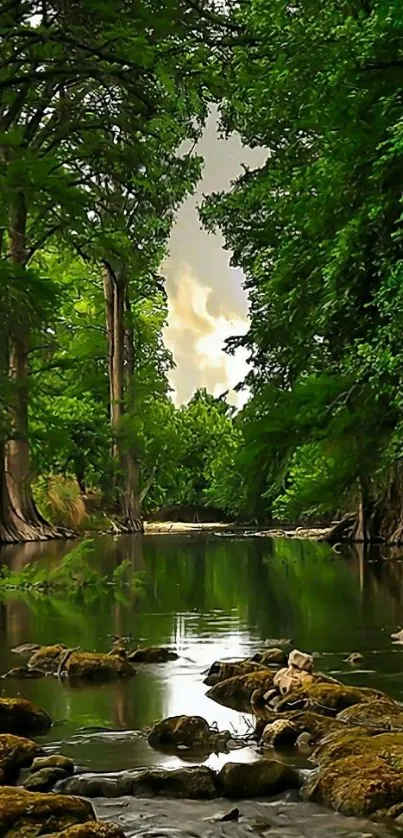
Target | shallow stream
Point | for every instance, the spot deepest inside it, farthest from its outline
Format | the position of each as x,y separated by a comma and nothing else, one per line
207,597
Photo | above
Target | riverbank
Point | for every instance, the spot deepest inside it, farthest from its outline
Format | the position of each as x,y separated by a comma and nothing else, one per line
238,530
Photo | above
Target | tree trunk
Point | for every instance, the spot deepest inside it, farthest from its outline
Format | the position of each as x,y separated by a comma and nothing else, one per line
20,520
115,293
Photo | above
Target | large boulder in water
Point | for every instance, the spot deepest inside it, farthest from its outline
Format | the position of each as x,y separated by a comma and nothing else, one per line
83,666
224,670
356,785
180,730
47,658
262,778
377,714
328,698
17,715
15,753
23,813
237,692
195,783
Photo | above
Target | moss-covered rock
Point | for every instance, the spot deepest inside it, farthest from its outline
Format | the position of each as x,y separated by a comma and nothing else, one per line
47,658
356,785
53,761
378,715
17,715
195,783
152,654
237,692
262,778
180,730
45,779
84,666
90,830
224,670
316,724
355,741
327,698
271,657
279,734
23,814
15,753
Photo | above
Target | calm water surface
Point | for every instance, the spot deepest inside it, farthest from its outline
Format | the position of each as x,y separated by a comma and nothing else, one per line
207,598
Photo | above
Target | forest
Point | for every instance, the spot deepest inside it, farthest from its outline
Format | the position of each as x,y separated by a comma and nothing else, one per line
102,104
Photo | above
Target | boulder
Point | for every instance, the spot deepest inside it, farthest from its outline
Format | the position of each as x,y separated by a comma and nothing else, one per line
17,715
53,761
223,670
315,724
356,785
180,730
300,660
90,830
152,654
378,714
326,698
237,692
84,666
359,741
23,813
45,779
262,778
280,733
15,753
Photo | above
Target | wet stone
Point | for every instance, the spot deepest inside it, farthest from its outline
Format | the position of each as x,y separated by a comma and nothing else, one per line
53,761
152,654
257,779
45,779
17,715
24,813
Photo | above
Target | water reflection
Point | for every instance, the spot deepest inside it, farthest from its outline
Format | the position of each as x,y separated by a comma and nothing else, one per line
209,598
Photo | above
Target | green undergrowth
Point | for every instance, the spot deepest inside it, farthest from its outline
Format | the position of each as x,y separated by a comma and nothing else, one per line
74,576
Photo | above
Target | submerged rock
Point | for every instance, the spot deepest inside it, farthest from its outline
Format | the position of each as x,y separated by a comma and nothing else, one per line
224,670
15,753
180,730
256,779
195,783
152,654
17,715
237,692
23,813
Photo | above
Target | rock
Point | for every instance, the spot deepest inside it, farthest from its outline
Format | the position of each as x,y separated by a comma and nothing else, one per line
90,829
355,658
327,698
291,679
237,692
21,673
270,657
270,642
278,734
356,785
26,649
223,670
85,666
23,813
398,635
231,815
45,779
90,666
195,783
17,715
315,724
337,744
256,779
359,741
180,730
15,753
53,761
152,654
300,660
379,715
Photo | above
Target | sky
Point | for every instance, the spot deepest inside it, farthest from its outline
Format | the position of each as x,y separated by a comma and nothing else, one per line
206,300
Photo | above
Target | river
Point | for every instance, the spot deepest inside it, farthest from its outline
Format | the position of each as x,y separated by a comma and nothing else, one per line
207,597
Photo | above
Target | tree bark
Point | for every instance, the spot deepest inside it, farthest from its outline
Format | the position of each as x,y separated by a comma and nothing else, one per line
120,368
20,519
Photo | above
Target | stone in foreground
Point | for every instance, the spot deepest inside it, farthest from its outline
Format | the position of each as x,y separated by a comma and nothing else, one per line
15,753
90,830
24,813
263,778
356,785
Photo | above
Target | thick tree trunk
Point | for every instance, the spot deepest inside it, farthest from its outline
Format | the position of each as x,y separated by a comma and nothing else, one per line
20,520
129,484
379,517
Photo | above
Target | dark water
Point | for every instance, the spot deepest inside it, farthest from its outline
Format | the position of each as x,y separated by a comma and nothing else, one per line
207,598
